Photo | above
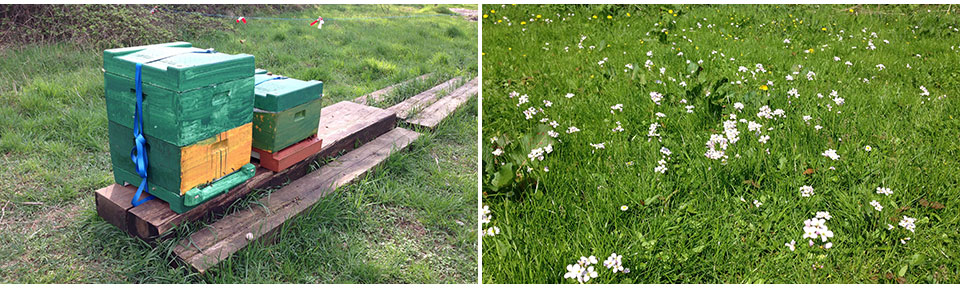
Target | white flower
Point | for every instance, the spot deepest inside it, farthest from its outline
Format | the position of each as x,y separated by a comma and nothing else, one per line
572,129
689,108
794,93
662,166
523,99
553,134
598,146
754,127
497,152
492,231
867,148
614,262
838,100
514,94
848,63
792,245
818,127
569,95
653,130
618,107
547,103
880,67
832,154
624,208
757,203
763,139
806,191
925,92
823,215
619,128
485,217
656,97
907,223
807,118
665,151
884,191
786,41
738,106
876,205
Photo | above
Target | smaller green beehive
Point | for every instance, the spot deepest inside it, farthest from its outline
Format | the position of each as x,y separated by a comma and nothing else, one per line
286,111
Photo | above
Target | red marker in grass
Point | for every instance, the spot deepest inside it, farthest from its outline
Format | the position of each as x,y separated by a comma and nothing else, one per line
242,19
319,22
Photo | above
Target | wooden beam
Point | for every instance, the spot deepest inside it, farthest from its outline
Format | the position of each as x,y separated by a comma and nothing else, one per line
403,109
378,95
342,126
210,245
431,116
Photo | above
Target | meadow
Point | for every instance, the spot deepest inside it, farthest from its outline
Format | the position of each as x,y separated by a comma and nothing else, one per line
720,144
410,221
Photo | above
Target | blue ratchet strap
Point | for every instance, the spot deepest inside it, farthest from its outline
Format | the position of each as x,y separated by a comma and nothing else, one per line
274,78
139,153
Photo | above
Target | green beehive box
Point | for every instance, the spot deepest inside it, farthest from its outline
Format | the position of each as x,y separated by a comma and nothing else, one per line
283,94
178,175
188,97
286,111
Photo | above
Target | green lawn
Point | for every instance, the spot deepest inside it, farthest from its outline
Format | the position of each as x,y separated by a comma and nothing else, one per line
729,218
409,222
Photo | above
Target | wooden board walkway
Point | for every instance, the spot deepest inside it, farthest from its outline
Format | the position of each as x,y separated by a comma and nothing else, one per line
377,95
431,116
342,126
207,247
412,104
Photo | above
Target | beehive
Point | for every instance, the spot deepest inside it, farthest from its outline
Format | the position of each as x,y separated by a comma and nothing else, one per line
187,97
197,119
286,111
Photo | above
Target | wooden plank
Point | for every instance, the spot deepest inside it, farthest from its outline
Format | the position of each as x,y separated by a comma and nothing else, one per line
378,95
342,126
291,155
423,99
431,116
208,246
113,203
349,123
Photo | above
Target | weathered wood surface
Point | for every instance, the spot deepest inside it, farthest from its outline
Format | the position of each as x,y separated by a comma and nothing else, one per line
343,126
348,123
412,104
208,246
378,95
431,116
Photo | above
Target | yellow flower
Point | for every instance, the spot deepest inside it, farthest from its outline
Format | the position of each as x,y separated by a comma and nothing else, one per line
510,48
594,16
824,28
591,76
674,14
666,32
485,16
493,11
628,14
851,10
538,16
811,50
764,88
670,11
483,54
523,22
609,17
499,20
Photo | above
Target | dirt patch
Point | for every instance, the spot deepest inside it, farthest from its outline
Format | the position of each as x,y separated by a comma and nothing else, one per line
469,14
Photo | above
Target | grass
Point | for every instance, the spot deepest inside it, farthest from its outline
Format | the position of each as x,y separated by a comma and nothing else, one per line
697,222
53,150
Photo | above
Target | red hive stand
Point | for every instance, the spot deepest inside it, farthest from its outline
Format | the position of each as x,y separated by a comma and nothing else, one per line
280,160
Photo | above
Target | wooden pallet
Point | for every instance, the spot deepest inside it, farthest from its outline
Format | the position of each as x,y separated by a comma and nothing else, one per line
377,95
431,116
343,125
412,104
208,246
